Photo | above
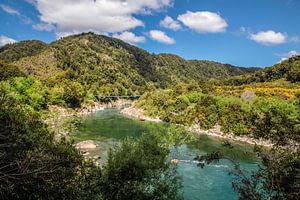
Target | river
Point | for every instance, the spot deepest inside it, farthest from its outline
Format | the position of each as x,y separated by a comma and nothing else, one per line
109,126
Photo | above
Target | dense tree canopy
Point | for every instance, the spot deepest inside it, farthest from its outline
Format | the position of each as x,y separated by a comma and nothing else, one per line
288,69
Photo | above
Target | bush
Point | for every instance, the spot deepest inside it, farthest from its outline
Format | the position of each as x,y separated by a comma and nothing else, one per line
8,71
138,170
28,91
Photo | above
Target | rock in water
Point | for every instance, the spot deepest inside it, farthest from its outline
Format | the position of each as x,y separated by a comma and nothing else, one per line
84,145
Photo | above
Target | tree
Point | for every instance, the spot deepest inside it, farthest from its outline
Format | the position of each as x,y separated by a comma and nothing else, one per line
29,91
73,94
8,71
138,170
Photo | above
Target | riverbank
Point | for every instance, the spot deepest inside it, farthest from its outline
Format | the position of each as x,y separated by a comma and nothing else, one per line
62,120
139,113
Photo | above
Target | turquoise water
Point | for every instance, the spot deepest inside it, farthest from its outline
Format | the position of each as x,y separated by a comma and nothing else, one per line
109,126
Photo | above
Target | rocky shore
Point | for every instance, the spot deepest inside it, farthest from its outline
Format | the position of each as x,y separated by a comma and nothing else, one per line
139,113
216,132
86,109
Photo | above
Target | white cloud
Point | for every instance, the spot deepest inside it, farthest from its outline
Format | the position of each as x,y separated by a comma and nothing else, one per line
288,55
44,27
129,37
203,21
100,16
160,36
269,37
6,40
9,10
170,23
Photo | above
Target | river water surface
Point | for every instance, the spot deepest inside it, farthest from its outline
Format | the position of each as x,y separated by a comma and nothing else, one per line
109,126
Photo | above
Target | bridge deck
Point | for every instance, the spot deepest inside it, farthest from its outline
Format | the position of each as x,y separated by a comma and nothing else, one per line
124,96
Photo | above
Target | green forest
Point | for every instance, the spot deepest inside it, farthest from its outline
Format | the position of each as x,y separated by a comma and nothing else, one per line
82,69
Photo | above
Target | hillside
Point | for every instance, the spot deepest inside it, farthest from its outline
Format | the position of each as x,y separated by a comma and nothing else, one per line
16,51
212,69
103,61
288,70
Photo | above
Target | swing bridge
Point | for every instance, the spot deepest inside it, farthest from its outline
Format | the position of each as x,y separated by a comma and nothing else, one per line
116,97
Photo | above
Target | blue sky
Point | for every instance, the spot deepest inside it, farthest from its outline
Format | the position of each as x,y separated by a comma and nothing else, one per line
240,32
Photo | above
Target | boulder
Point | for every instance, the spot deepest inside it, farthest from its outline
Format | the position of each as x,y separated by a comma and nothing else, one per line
84,145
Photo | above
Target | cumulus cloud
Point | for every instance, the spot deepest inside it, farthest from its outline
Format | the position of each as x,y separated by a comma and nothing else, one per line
203,21
6,40
269,37
100,16
129,37
161,36
288,55
169,22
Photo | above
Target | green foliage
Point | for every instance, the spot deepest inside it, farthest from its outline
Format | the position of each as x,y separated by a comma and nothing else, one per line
171,135
28,91
139,170
16,51
212,69
293,74
87,67
56,95
8,71
106,66
33,165
73,93
277,120
289,70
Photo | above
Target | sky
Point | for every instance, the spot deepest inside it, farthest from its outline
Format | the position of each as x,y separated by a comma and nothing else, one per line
240,32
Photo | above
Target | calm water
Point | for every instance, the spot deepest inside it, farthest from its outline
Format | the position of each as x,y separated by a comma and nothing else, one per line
109,126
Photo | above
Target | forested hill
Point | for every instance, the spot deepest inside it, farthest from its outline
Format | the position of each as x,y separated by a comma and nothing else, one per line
288,70
103,62
16,51
212,69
